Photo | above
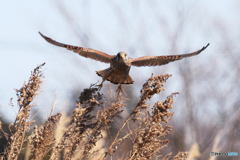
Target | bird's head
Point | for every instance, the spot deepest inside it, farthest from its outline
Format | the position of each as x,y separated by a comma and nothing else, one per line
122,56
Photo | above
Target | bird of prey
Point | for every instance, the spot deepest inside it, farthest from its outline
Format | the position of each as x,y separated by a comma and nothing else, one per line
120,64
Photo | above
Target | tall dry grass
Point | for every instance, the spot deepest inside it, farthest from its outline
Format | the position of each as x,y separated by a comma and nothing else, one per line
90,122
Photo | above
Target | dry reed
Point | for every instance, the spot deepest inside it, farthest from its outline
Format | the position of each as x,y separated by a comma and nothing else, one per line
93,116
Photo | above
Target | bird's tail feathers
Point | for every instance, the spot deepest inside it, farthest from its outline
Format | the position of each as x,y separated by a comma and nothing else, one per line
116,79
129,80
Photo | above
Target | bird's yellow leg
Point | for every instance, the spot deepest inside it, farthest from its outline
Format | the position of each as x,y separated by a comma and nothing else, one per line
100,85
120,91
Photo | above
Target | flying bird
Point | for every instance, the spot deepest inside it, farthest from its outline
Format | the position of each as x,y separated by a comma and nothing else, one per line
120,64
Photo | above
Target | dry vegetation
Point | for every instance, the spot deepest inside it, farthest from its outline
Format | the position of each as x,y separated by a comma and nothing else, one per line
89,122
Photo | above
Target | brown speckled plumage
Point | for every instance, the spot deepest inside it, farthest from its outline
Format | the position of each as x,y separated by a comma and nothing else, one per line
120,64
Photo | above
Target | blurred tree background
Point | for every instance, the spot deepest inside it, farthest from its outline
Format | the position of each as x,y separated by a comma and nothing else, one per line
207,110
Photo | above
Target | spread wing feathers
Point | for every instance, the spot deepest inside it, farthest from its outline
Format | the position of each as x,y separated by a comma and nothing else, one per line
161,60
85,52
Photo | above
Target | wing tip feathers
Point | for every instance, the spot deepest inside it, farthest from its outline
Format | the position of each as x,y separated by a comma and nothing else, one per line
204,47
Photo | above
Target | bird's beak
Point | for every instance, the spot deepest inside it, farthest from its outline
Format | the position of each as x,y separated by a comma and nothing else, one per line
122,56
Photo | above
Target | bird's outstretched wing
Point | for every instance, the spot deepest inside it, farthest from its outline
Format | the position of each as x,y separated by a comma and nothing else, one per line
85,52
161,60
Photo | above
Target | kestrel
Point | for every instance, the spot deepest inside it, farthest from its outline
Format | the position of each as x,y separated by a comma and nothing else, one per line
120,64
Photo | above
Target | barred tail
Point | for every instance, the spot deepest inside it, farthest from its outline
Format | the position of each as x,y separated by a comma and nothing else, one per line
116,79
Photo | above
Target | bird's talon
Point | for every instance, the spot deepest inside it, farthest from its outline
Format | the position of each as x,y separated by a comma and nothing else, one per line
120,91
100,86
